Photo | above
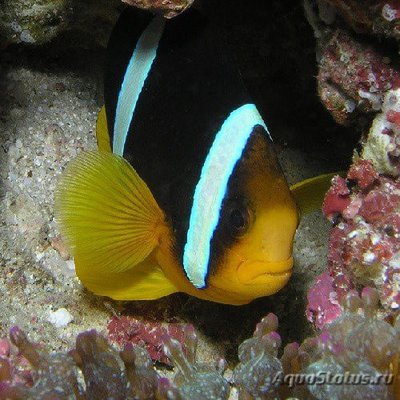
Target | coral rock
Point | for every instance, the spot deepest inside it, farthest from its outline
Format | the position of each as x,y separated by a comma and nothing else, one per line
371,16
353,77
337,198
382,146
168,8
39,21
323,306
125,329
364,246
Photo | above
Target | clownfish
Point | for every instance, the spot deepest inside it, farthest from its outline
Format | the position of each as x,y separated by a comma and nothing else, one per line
185,193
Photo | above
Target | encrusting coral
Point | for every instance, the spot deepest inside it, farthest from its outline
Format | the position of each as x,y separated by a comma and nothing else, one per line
355,73
364,243
359,84
168,8
123,330
370,16
354,357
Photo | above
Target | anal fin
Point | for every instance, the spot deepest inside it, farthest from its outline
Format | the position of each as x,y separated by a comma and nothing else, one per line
146,281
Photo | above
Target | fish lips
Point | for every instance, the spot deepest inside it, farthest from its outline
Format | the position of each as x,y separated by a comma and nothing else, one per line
250,272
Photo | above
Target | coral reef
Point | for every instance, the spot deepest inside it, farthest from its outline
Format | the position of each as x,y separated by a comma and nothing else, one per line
33,22
371,16
364,244
322,301
106,374
382,145
358,82
258,361
40,21
168,8
32,373
354,357
360,348
355,73
195,380
125,329
353,78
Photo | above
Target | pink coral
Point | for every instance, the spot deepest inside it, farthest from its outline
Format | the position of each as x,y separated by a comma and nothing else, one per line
363,173
377,17
353,77
337,198
126,329
364,246
323,306
169,8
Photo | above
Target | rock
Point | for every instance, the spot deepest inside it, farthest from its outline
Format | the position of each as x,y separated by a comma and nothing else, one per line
33,22
168,8
60,318
382,146
353,78
378,18
364,245
40,21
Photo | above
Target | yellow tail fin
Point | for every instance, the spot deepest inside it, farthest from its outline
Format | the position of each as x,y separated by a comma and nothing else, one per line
309,194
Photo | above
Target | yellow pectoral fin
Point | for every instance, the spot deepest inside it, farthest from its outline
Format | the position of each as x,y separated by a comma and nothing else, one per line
146,281
103,137
107,214
310,193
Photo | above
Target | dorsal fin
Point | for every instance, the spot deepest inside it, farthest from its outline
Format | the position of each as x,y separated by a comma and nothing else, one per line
310,193
102,134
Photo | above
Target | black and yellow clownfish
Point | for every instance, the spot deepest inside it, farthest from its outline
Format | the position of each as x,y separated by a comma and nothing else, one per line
185,193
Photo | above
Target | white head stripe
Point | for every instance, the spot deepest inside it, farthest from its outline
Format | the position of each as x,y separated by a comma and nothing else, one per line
209,194
135,76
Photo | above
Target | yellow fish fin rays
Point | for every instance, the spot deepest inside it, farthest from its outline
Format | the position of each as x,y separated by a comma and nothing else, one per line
146,281
309,194
107,214
102,134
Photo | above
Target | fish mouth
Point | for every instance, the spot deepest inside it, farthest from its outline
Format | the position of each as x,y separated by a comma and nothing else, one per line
252,272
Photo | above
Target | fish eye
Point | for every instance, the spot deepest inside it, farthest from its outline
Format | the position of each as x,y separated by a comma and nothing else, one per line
238,218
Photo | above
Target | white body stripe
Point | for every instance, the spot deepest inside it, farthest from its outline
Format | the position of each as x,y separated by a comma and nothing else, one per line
135,76
209,194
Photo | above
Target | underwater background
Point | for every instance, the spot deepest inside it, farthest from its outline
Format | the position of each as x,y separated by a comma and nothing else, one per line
325,77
